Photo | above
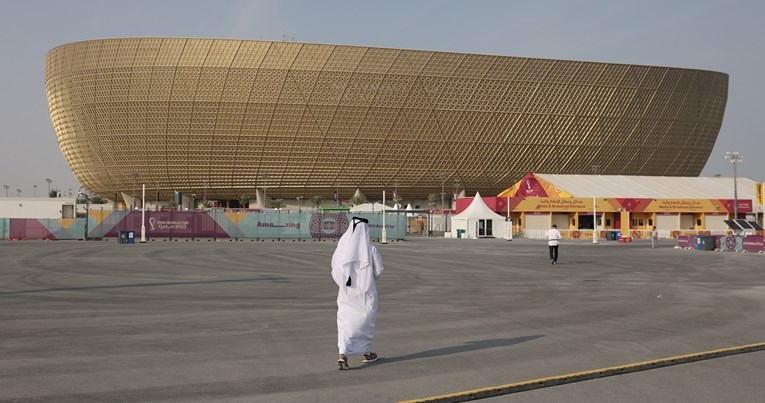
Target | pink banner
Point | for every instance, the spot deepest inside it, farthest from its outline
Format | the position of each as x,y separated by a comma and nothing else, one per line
683,241
753,243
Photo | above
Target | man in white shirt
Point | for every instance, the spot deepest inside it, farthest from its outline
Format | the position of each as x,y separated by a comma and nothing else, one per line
553,240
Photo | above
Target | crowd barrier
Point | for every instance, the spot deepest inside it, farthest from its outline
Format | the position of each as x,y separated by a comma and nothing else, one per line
727,243
169,225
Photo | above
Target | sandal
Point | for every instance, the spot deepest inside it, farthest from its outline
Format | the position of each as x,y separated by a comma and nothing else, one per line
342,362
371,357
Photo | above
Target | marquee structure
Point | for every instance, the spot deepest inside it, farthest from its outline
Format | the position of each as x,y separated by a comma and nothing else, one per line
222,118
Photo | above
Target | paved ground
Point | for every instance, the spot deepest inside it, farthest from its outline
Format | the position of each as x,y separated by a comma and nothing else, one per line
255,321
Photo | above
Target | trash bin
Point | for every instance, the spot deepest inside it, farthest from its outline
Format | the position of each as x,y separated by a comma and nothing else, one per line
708,242
459,233
130,236
123,237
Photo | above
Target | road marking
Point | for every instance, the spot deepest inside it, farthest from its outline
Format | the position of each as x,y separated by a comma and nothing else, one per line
539,383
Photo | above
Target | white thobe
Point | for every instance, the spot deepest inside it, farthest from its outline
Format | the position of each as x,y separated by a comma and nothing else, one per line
356,258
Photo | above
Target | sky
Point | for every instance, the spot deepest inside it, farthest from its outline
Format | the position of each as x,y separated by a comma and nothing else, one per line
724,35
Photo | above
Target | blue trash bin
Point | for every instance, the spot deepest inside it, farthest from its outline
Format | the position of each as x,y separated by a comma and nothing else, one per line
130,236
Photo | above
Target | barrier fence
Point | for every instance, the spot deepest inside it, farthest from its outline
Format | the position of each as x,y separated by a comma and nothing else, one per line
202,224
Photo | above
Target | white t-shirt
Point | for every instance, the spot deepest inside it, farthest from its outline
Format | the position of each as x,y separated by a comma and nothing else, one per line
553,237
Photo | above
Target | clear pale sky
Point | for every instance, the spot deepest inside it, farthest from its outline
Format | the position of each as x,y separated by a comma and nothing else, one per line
718,35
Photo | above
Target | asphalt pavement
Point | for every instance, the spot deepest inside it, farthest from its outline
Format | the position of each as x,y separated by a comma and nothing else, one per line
201,321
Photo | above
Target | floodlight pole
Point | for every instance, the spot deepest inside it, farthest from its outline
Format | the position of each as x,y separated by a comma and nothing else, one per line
384,238
508,222
594,221
735,158
143,213
594,211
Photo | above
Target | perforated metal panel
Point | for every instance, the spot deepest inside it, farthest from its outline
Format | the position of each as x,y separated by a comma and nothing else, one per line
227,116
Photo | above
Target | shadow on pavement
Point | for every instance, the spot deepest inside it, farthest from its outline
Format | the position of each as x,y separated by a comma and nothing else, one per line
468,346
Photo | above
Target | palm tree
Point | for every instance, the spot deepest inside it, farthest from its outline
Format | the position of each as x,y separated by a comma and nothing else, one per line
277,203
433,199
244,201
317,200
97,199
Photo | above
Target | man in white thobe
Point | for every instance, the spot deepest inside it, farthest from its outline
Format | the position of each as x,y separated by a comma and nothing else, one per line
356,266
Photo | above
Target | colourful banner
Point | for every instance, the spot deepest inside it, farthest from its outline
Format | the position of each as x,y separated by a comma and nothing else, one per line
209,224
635,205
753,243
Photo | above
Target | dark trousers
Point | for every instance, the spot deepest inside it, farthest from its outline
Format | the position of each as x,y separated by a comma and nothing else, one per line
553,252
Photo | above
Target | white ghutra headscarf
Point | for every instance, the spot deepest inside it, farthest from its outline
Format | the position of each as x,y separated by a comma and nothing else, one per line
354,255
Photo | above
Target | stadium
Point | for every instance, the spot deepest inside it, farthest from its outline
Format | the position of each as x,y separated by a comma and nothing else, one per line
226,118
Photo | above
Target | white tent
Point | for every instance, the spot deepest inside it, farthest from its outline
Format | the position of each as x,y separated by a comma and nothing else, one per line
409,208
478,221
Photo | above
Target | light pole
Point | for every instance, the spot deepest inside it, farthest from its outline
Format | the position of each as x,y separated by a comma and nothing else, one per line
6,189
594,211
34,194
300,202
265,176
132,202
735,158
204,197
49,182
143,213
384,238
443,177
18,191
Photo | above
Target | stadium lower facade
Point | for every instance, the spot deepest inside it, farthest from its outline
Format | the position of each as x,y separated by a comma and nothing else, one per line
227,118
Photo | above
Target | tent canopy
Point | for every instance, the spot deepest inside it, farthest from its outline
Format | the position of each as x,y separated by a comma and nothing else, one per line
479,210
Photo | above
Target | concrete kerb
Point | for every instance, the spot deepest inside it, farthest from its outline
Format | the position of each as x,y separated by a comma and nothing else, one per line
532,384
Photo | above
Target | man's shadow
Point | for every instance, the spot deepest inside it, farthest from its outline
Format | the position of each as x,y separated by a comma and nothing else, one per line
463,348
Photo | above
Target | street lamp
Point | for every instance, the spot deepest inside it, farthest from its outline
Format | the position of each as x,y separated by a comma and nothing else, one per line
735,158
19,192
132,205
143,213
443,177
265,176
594,210
6,189
34,194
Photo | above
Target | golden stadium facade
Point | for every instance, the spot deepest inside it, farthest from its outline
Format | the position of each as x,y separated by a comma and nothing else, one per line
226,117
